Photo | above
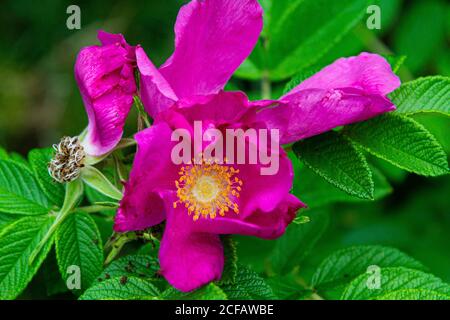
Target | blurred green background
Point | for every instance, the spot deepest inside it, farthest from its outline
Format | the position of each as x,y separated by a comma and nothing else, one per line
39,102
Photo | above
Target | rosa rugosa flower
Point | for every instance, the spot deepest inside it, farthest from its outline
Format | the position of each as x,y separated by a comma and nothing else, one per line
205,199
105,76
213,37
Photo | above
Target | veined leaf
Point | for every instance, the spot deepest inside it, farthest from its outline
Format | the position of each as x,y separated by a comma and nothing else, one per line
78,243
430,94
317,192
335,159
6,219
122,288
248,286
297,242
138,265
18,240
414,294
344,265
19,191
401,141
39,158
393,280
288,287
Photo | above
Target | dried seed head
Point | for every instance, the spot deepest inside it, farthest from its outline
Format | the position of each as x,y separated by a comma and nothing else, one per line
68,160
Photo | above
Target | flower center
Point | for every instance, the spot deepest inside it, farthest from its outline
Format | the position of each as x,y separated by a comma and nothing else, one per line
68,161
208,189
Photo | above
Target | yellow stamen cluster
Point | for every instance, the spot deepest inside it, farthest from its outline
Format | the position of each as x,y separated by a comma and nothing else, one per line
207,189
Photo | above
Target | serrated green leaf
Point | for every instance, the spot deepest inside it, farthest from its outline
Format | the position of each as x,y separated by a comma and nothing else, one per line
208,292
335,159
143,266
230,267
414,294
78,243
19,191
401,141
317,192
391,281
344,265
122,288
18,240
299,239
248,286
429,94
39,159
288,288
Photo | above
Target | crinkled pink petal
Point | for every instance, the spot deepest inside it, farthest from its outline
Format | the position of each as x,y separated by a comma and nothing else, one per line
156,93
142,205
367,72
105,76
349,90
213,37
188,259
314,111
119,40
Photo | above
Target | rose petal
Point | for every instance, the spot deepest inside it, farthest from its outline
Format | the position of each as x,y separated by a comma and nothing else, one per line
106,80
367,72
313,111
156,93
188,259
153,173
213,37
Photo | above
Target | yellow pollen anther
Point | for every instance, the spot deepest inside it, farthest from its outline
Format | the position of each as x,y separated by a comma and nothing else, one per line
208,189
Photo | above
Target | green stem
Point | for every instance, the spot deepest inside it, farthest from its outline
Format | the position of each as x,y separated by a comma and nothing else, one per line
266,87
95,208
117,244
142,115
74,190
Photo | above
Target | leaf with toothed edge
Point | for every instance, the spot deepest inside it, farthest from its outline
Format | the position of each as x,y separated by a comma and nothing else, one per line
18,240
20,193
78,242
429,94
39,159
401,141
334,158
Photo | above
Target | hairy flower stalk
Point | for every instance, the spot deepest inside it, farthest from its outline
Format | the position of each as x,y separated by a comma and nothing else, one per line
68,161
